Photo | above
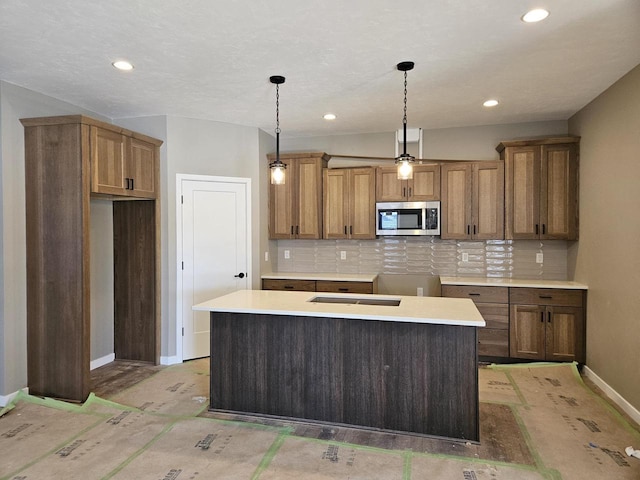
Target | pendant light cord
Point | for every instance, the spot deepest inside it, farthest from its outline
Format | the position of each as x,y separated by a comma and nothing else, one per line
277,123
404,119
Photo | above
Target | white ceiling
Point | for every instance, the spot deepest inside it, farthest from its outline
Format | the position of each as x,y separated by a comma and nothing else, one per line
212,60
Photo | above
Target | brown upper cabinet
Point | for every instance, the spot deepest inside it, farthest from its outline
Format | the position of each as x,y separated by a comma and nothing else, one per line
424,186
121,164
349,203
62,157
541,188
472,200
295,208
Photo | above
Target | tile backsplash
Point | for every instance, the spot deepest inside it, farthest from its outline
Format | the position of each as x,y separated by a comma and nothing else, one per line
426,255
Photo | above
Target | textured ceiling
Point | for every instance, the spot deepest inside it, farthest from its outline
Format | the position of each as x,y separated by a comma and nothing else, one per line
212,60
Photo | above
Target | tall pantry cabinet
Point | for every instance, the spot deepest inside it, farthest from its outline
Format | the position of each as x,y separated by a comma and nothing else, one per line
69,160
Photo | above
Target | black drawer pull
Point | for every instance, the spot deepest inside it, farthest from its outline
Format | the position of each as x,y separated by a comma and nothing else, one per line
289,287
474,294
343,289
549,297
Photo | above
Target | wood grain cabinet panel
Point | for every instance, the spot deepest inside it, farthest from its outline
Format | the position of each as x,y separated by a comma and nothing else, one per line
551,327
349,203
67,159
425,185
345,287
472,200
286,284
295,208
541,188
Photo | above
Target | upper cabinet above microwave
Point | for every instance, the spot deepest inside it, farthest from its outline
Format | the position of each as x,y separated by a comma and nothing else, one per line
424,187
541,188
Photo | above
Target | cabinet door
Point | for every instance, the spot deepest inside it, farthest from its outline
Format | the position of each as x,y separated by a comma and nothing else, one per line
456,201
425,185
488,201
140,168
107,162
336,203
388,187
527,332
522,192
362,203
558,197
564,335
281,207
308,198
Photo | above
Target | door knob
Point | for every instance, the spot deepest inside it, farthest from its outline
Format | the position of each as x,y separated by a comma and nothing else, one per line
240,275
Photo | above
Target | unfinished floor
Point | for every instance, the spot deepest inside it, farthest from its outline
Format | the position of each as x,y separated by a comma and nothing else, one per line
538,421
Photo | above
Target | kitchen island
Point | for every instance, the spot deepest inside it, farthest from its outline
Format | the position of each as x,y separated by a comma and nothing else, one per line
387,362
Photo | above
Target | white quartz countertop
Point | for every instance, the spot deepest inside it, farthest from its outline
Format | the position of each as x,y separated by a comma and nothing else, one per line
331,277
512,282
435,310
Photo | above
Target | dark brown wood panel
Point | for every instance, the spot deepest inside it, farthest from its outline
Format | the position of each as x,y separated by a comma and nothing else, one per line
493,342
288,284
134,241
477,294
496,315
547,296
344,287
388,375
57,236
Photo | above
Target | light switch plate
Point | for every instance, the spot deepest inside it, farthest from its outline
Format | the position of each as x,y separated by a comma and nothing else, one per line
539,258
343,254
420,292
266,256
465,257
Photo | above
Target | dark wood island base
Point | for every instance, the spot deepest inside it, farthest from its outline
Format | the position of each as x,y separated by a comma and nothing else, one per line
401,376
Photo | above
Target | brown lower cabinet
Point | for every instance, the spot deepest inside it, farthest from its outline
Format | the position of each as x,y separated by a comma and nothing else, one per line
332,286
528,323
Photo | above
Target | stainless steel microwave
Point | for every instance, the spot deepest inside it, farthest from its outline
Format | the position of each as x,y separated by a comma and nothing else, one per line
408,218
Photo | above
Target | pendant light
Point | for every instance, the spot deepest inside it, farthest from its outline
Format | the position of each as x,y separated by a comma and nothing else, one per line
277,167
405,161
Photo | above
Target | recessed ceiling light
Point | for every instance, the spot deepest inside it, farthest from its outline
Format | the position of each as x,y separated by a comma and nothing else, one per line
329,116
490,103
123,65
535,15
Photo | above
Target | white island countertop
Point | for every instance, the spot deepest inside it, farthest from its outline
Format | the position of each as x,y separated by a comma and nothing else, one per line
434,310
512,282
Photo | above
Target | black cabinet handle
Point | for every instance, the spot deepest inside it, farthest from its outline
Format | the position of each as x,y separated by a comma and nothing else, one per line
240,275
132,187
297,229
468,230
537,229
409,191
548,297
542,317
474,294
343,289
127,187
404,191
350,229
544,229
288,287
549,317
291,229
345,229
474,229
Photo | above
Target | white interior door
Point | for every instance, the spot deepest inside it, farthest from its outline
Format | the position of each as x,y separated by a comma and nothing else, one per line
215,252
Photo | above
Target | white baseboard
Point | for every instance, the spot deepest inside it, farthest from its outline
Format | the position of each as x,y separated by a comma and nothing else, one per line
618,399
170,360
6,399
99,362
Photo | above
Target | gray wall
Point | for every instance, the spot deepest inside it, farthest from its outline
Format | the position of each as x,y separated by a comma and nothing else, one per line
607,256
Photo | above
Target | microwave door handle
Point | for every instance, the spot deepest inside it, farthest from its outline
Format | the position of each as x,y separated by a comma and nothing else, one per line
424,219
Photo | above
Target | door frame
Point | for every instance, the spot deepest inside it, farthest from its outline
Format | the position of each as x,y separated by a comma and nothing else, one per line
180,177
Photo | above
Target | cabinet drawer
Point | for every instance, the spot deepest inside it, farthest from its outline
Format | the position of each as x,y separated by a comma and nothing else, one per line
496,315
493,342
344,287
284,284
477,294
546,296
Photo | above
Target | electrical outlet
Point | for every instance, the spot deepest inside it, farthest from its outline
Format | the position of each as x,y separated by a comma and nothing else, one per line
420,292
465,257
539,258
266,256
343,254
287,254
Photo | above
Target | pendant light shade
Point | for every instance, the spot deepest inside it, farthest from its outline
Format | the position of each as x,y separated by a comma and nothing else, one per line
278,168
405,161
